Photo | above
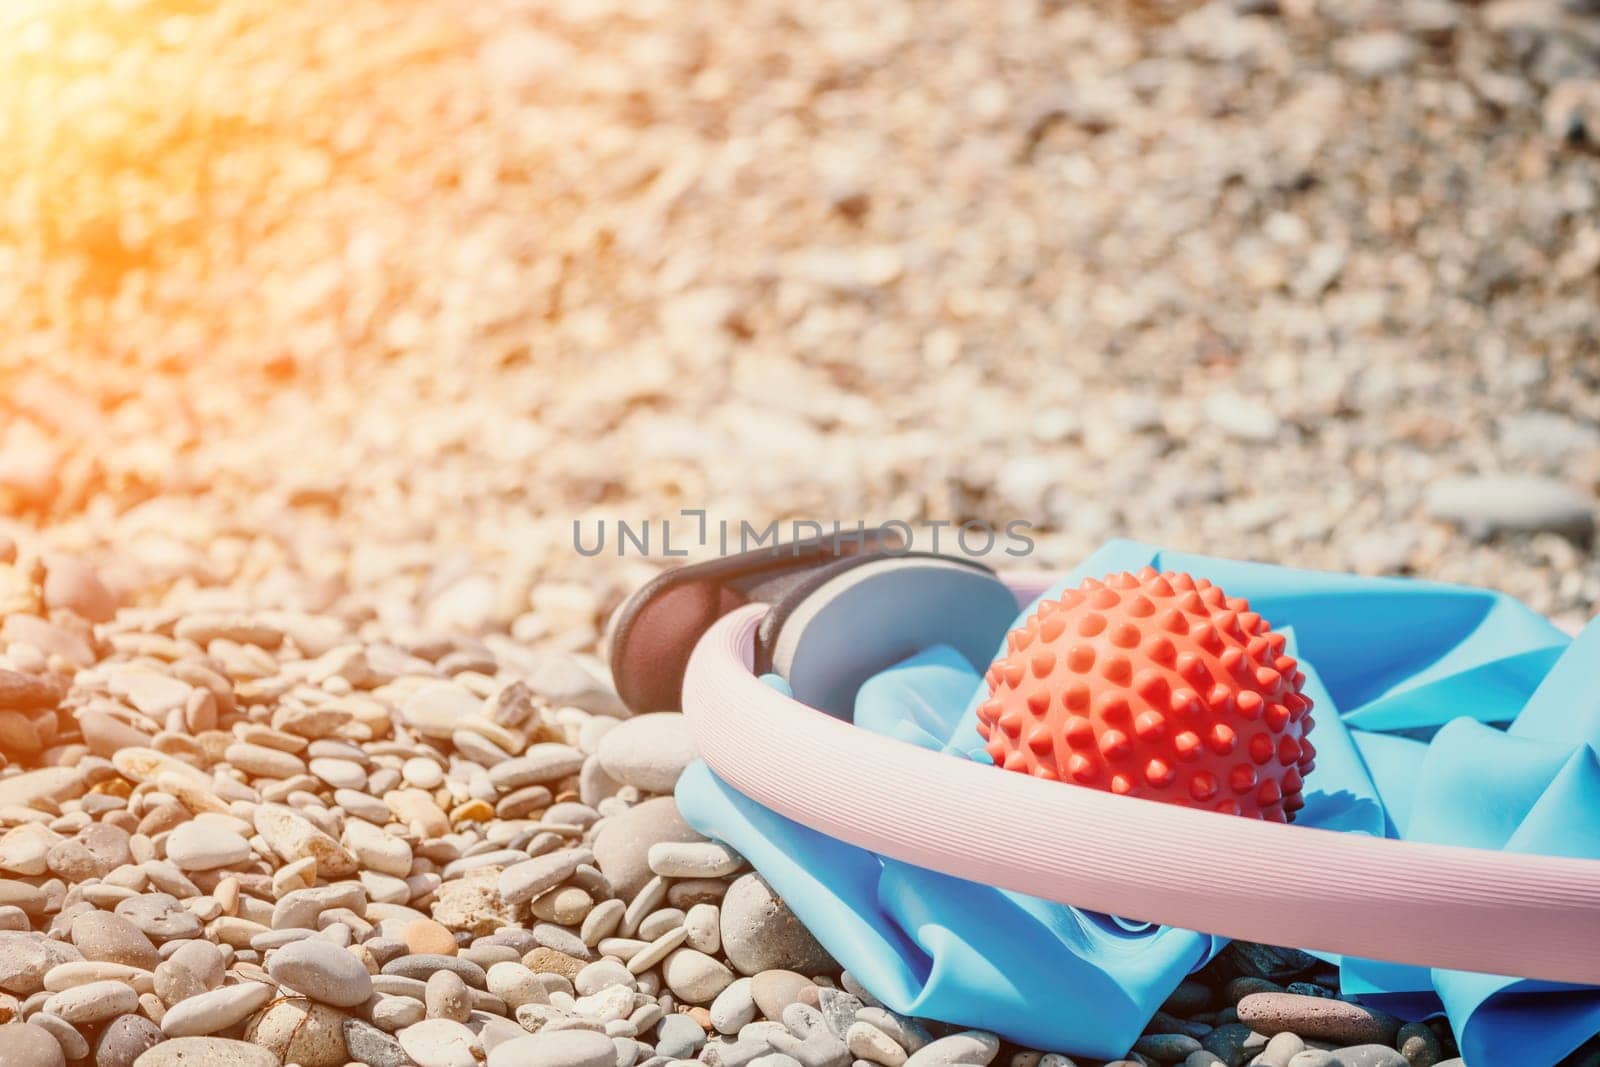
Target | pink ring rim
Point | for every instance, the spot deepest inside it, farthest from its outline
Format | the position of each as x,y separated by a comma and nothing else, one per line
1510,914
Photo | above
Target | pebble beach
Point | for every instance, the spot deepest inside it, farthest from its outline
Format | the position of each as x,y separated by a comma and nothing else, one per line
325,328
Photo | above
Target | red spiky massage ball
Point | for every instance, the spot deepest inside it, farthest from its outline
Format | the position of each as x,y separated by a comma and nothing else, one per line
1158,686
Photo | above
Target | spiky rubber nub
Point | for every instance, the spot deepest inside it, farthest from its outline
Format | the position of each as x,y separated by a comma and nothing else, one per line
1158,686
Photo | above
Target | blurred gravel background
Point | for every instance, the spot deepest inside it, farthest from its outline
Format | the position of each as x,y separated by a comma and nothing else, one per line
355,308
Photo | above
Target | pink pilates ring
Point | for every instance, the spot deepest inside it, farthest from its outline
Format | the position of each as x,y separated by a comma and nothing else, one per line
1431,905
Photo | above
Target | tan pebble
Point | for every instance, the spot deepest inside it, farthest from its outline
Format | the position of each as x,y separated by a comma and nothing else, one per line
106,936
261,734
423,773
200,711
227,895
544,960
602,921
656,950
447,997
511,741
473,903
475,810
81,972
23,849
147,764
149,691
428,936
244,662
704,925
566,905
659,922
93,1002
175,980
213,743
312,722
437,708
239,795
693,891
371,714
129,875
121,818
168,879
377,850
195,796
301,874
162,817
200,676
231,930
623,948
391,1013
106,730
204,908
417,809
181,746
106,896
292,836
776,989
385,888
516,985
339,773
1318,1017
113,787
301,1031
510,705
264,761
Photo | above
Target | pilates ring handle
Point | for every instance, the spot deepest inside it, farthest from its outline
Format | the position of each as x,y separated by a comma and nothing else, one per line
1432,905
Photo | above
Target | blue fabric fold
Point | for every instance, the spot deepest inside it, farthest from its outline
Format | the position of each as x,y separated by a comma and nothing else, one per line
1444,714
